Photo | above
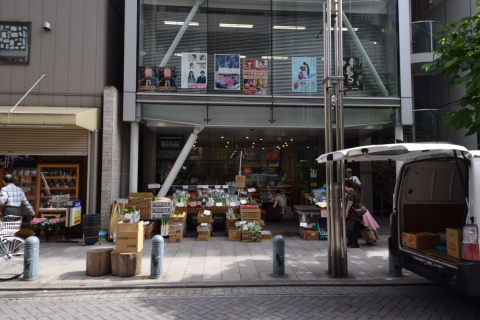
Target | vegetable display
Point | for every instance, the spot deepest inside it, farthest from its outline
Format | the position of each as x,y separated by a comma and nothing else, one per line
251,226
132,210
181,197
165,225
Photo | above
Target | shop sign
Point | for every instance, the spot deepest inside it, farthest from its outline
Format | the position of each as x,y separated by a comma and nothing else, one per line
227,72
239,181
18,161
304,74
75,216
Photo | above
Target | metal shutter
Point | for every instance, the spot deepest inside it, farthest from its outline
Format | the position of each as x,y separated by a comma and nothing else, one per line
37,141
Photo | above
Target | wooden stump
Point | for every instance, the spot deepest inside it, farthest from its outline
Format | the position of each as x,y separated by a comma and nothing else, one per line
99,262
126,264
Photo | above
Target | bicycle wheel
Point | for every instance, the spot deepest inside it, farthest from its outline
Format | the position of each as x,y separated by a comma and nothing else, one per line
11,257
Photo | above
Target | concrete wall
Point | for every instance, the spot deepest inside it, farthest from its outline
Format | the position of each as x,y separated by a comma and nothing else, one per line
73,54
115,154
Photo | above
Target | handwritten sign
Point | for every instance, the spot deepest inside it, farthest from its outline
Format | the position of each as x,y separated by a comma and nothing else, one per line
217,187
219,204
207,212
185,187
251,190
239,181
243,201
122,201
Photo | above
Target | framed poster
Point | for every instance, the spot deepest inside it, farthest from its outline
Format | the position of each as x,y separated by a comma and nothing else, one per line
194,70
167,79
304,74
255,77
352,71
227,72
15,42
272,154
148,79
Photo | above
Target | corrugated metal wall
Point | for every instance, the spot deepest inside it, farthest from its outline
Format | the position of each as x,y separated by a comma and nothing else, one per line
73,53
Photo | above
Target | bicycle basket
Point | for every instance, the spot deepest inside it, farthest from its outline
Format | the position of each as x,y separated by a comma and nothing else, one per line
9,225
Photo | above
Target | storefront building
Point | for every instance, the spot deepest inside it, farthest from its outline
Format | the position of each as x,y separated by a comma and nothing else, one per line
249,75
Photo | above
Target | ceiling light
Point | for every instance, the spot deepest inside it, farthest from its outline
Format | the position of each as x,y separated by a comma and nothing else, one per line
177,54
263,148
243,57
228,142
222,137
261,139
289,27
254,143
247,137
345,29
308,147
180,23
291,139
275,57
235,25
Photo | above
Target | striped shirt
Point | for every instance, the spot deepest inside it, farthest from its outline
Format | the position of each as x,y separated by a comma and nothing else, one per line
13,196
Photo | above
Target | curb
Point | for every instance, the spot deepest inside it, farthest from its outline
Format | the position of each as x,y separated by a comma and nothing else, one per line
205,285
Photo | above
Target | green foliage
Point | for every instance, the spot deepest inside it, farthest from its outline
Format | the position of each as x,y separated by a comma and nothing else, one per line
459,58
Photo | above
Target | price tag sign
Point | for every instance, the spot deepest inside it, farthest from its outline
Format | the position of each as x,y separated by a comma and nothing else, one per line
180,205
233,204
251,190
225,187
203,224
203,187
217,187
153,186
185,187
122,201
219,204
243,201
128,216
303,224
240,223
207,212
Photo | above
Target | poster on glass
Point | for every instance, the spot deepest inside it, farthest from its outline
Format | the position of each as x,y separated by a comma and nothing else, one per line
167,80
227,72
194,70
304,74
255,77
352,71
148,79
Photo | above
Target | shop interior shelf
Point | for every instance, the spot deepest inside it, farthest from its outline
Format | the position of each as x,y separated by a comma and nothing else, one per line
60,177
51,209
60,188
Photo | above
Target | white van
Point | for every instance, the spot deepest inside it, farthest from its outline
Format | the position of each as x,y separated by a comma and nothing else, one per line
438,187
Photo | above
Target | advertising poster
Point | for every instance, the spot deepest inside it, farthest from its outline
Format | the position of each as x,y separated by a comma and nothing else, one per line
156,79
168,150
272,154
304,74
352,71
227,72
194,70
255,77
196,153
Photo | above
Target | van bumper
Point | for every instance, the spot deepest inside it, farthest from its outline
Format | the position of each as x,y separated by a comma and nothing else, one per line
463,280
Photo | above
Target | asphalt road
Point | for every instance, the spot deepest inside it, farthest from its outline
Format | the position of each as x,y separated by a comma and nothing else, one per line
386,302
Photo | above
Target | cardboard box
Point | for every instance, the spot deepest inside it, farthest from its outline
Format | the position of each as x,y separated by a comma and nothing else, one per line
163,203
234,234
129,237
158,215
303,230
204,219
175,238
266,235
148,230
251,236
145,210
182,218
203,236
146,201
175,228
311,235
454,242
420,240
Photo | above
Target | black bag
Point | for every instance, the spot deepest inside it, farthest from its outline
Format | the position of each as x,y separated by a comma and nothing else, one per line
360,210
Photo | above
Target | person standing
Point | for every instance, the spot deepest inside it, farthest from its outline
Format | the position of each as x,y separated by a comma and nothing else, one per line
12,197
355,180
354,221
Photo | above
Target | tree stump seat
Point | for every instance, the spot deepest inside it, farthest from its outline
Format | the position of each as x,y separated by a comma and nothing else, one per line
99,262
126,264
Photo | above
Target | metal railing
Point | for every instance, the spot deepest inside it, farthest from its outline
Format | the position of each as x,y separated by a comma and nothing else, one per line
423,36
429,126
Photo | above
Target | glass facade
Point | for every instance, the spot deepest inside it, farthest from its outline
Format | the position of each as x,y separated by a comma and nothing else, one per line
267,48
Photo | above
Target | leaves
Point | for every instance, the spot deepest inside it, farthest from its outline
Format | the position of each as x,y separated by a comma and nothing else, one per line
459,58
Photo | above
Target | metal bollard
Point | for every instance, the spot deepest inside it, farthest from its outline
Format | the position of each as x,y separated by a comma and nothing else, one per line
156,265
278,256
31,256
393,270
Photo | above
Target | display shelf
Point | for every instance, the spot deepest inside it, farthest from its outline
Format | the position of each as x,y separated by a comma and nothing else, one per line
59,177
48,173
51,209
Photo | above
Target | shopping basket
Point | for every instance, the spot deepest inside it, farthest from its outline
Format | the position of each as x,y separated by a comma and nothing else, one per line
9,225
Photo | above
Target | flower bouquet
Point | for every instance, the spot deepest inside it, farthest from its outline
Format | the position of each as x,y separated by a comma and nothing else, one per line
47,225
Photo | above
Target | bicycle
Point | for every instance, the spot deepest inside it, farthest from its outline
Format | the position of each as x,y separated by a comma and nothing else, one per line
11,248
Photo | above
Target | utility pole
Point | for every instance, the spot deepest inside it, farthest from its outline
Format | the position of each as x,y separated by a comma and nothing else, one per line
333,95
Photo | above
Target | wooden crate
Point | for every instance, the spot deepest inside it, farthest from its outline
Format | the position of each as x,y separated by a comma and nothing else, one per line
149,230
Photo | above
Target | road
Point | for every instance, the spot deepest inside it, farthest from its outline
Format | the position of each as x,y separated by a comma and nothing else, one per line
326,302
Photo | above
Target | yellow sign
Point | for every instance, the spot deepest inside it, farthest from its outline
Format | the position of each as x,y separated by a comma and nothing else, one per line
76,216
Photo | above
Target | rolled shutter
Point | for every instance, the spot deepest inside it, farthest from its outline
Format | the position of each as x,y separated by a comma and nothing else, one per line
38,141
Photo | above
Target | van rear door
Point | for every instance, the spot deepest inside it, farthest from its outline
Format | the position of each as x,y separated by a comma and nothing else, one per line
395,152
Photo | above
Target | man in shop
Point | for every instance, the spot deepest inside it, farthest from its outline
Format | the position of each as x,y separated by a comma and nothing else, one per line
277,210
350,176
12,198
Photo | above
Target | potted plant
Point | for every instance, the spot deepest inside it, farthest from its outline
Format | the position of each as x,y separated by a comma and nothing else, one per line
48,226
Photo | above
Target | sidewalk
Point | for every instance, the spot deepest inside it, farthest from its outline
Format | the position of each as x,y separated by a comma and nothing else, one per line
218,262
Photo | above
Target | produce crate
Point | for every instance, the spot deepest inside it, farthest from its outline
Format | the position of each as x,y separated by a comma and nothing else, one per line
235,234
233,219
251,236
204,219
178,216
266,235
148,230
250,215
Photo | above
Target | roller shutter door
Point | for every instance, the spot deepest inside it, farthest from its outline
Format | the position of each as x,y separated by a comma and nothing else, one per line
39,141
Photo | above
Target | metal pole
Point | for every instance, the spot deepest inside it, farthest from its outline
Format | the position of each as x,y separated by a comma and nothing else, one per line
134,141
180,161
180,33
26,94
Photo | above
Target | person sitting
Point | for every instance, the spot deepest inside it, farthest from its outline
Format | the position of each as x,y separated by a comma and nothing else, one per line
277,210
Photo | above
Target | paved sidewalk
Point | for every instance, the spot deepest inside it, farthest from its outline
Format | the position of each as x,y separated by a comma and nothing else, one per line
218,262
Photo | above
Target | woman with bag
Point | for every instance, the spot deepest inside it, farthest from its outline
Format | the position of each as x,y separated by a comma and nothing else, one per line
354,215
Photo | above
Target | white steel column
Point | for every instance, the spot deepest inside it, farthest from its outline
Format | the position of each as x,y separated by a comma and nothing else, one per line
180,33
404,49
180,161
134,140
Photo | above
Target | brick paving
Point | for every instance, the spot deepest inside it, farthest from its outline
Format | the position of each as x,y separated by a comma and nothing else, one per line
393,302
217,261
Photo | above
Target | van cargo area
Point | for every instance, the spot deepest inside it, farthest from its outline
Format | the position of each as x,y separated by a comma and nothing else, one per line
431,200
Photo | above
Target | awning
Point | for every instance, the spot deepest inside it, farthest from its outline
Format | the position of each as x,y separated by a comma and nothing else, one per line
66,117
